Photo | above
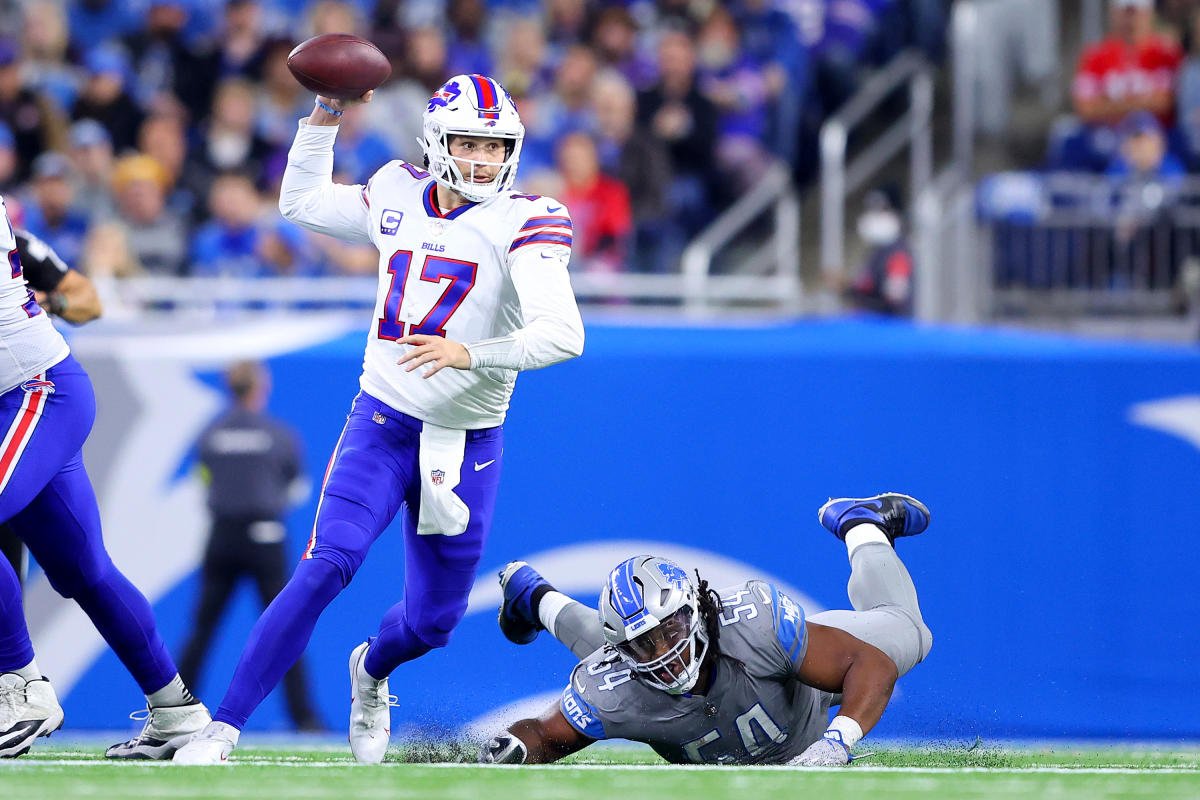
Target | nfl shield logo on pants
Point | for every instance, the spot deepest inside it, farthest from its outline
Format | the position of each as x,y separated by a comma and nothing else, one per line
436,476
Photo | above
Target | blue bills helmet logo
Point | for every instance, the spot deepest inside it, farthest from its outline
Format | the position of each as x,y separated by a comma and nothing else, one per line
437,476
34,385
444,96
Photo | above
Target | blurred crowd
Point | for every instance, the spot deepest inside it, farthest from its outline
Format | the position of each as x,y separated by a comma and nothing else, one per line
150,137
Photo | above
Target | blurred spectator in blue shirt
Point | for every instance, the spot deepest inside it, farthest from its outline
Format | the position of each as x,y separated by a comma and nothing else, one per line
640,161
91,157
52,214
468,50
615,41
548,117
523,68
395,110
45,39
1143,152
95,21
163,65
242,241
740,86
281,99
358,152
105,99
676,112
770,37
566,24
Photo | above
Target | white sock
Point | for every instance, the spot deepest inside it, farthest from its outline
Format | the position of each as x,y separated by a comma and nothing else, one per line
30,671
222,730
864,533
173,694
550,606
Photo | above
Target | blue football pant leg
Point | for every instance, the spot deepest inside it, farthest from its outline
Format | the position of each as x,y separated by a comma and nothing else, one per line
61,527
439,571
15,648
58,430
362,494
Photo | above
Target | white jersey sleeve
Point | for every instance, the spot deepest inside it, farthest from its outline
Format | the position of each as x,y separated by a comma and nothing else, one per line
538,254
309,197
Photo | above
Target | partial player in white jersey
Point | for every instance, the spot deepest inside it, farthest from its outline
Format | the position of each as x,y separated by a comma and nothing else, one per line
46,411
473,287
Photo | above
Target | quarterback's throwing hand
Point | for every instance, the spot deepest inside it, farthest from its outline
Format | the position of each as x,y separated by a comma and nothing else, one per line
436,350
824,752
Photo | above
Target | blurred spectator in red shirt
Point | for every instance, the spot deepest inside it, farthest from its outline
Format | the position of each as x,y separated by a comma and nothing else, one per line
600,214
885,281
1132,70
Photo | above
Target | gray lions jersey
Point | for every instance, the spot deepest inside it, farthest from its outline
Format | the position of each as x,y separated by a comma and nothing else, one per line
754,712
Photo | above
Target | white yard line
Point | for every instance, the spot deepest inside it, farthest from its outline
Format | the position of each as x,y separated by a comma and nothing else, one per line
299,763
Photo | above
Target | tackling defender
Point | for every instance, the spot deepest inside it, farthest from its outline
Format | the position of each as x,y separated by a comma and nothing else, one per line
471,276
734,677
46,412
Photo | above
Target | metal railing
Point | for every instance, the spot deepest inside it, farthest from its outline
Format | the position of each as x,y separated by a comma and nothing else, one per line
840,177
778,257
1090,246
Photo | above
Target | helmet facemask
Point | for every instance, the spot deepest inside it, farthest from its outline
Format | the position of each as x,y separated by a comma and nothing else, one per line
669,655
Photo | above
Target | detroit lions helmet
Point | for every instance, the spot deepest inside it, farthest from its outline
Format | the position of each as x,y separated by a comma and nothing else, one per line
471,105
650,612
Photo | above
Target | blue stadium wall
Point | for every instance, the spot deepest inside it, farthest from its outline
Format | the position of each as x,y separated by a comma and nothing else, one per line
1058,575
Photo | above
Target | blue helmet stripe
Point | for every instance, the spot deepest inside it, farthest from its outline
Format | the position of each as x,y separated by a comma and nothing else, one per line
626,597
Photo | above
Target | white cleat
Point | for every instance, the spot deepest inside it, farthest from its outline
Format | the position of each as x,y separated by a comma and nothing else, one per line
210,746
370,711
167,729
28,709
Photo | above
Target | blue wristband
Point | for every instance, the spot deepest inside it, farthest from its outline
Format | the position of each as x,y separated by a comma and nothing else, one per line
330,110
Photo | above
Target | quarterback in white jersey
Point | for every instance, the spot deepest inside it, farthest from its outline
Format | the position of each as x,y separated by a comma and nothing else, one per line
472,276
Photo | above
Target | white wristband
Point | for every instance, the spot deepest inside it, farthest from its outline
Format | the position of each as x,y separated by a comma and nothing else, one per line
849,730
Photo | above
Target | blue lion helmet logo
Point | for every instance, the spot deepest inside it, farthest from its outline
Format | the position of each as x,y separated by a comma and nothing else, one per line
674,574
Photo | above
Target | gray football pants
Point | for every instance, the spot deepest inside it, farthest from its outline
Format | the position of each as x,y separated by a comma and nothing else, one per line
886,614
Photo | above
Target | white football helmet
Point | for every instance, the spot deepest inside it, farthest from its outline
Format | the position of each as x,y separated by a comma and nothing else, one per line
650,612
471,105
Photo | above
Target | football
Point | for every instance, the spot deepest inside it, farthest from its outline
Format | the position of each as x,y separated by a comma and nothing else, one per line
339,65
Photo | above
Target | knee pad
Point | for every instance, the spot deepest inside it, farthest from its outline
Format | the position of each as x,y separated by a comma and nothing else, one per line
344,535
434,616
80,577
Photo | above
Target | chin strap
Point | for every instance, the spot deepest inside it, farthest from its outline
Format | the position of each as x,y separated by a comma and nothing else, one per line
504,748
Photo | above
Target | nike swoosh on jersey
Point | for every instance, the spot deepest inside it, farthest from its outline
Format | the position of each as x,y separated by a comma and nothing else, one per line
479,466
553,209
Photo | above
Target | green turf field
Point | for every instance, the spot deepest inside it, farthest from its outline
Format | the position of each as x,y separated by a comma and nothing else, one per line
615,774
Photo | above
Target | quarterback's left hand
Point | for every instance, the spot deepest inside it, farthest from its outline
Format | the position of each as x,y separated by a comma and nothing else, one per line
824,752
438,350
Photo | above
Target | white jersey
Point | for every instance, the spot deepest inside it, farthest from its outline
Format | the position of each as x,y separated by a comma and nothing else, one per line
29,343
491,275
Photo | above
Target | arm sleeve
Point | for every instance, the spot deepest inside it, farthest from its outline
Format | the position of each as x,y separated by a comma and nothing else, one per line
787,617
583,715
309,197
42,267
553,330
